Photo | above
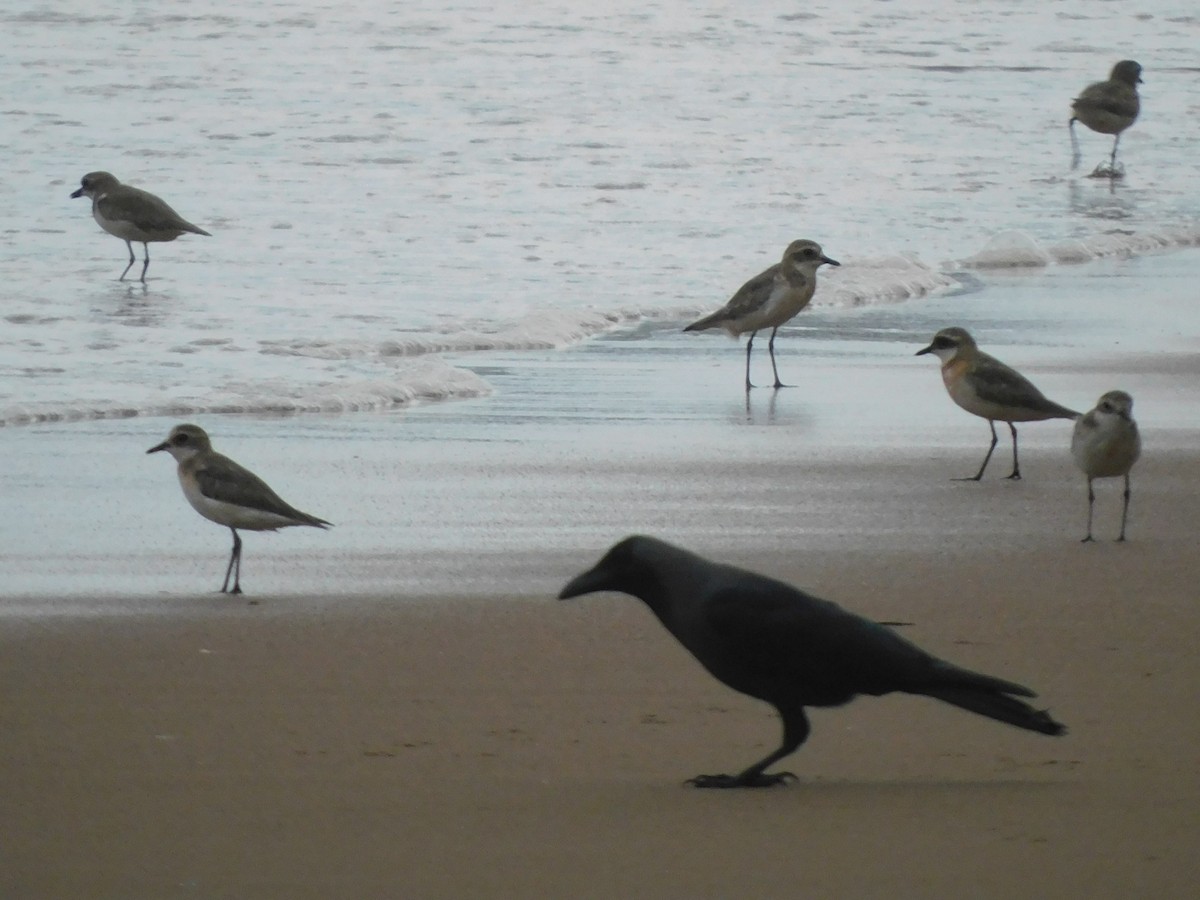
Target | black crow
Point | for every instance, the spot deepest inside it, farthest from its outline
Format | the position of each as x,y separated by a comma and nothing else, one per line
769,640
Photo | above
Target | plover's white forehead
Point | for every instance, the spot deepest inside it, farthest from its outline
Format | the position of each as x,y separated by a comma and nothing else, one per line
948,342
953,335
1116,402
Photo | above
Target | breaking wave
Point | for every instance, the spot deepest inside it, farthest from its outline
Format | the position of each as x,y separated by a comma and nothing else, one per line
1017,250
393,368
422,381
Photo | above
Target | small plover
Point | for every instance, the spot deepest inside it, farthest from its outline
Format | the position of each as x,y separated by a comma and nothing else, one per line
224,492
770,298
986,387
1108,107
132,215
1106,444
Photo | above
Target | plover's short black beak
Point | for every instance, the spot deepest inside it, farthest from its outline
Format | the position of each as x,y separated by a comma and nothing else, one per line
157,447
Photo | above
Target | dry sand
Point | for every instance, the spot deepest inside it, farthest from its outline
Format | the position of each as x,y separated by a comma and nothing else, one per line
521,747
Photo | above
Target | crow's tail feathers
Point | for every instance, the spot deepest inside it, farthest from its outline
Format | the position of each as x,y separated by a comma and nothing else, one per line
991,697
999,706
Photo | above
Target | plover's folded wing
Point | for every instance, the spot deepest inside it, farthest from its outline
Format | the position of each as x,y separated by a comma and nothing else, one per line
994,382
144,210
751,296
220,478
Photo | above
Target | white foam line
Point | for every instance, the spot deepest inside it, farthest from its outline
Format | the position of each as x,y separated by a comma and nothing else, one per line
428,381
1016,249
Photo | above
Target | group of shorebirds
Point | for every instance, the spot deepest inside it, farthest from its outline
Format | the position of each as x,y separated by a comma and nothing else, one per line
1105,442
757,635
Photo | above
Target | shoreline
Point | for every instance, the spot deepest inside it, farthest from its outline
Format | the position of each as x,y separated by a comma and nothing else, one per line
647,430
398,708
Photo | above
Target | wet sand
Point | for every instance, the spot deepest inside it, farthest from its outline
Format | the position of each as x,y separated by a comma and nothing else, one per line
518,746
400,708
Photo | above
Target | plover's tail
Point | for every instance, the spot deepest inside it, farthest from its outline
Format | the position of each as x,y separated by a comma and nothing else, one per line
707,322
1061,412
303,518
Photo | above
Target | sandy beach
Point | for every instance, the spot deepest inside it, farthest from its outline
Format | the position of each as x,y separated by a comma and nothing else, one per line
425,720
451,252
518,746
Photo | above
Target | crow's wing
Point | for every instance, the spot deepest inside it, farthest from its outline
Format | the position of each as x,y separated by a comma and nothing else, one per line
772,641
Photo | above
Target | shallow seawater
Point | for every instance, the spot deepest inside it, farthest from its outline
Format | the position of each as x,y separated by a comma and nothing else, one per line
392,188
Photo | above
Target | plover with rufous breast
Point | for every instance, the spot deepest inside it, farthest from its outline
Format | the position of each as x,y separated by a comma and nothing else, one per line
986,387
132,215
228,494
770,298
1106,444
1108,107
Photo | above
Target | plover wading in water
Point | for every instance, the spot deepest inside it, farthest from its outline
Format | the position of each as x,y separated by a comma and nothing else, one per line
770,298
132,215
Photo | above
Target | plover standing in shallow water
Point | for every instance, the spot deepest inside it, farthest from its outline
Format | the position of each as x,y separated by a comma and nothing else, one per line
770,298
224,492
986,387
1108,107
132,215
1106,444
